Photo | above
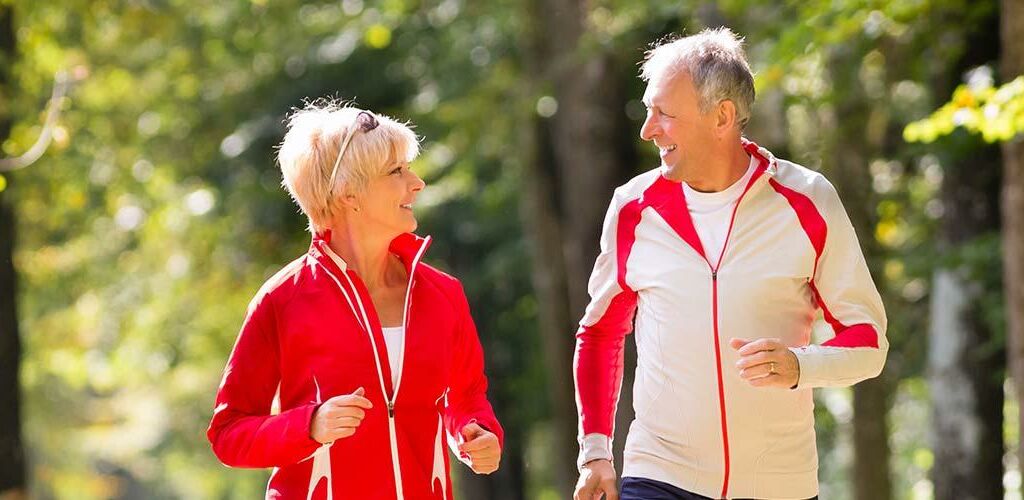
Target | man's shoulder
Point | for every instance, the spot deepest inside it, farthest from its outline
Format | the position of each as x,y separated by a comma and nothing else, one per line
635,187
794,175
803,180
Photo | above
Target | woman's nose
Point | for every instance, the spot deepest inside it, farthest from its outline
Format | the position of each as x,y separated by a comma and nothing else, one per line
417,182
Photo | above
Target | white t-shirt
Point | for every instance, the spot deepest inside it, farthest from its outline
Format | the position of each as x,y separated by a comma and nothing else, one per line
711,213
393,337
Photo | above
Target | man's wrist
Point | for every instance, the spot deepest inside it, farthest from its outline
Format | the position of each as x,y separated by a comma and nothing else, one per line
594,446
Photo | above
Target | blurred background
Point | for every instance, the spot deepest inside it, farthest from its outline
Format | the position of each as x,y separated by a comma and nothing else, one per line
141,208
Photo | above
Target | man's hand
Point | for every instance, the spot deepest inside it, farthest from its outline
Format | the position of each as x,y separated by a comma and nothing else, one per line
597,479
339,417
482,448
766,363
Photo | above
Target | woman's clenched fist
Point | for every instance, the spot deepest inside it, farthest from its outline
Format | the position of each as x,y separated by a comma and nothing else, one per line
339,417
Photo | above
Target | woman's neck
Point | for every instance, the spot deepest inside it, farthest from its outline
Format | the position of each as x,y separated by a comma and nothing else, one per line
367,254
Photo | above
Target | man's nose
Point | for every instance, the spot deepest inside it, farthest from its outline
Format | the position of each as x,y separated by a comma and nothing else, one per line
649,129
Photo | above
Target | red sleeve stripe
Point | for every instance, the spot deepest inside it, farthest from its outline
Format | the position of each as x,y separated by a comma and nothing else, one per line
625,236
810,219
859,335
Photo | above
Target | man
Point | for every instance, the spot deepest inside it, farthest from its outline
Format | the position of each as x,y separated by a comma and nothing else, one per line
726,252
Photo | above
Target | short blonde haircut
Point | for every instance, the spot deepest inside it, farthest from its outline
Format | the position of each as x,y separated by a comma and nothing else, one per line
715,60
310,148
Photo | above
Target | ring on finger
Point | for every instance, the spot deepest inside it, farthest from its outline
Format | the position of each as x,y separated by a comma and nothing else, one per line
771,368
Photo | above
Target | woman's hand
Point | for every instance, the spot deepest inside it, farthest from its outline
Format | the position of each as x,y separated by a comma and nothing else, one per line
482,448
339,417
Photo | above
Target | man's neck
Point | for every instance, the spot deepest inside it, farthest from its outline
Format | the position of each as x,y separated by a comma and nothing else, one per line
720,171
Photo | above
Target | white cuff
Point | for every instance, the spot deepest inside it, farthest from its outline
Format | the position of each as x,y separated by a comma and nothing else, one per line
594,446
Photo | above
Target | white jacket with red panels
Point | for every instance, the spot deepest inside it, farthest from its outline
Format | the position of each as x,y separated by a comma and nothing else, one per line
312,333
790,250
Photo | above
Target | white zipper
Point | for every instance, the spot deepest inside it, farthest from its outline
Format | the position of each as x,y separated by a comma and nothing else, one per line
394,451
365,324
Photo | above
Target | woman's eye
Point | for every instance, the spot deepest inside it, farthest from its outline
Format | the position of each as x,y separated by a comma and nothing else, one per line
396,171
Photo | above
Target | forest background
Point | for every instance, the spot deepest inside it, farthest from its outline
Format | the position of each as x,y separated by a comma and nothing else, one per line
141,208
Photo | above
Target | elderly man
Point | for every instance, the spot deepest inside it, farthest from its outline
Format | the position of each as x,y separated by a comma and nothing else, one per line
727,252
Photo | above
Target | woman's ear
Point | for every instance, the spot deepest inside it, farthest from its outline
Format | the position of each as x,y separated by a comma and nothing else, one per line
349,201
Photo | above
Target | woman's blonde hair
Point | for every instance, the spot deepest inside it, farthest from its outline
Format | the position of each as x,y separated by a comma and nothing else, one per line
310,150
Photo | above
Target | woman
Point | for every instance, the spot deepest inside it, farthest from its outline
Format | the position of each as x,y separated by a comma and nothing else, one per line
356,360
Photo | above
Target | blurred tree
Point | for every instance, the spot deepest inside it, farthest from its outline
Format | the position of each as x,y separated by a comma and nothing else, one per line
1012,67
573,137
12,453
966,354
995,114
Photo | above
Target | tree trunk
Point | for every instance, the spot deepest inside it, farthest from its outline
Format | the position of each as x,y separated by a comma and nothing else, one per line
544,230
965,371
12,454
577,162
1012,34
541,215
966,361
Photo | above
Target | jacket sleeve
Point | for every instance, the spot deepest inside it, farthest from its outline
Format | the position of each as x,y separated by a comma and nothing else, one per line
243,432
842,287
467,393
600,339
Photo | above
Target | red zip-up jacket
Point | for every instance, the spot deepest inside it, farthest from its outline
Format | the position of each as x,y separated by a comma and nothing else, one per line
311,333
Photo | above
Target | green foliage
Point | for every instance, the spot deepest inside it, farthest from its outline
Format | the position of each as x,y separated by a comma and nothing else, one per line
997,113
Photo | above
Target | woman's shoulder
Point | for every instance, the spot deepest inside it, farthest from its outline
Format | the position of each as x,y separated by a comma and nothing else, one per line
445,283
282,284
438,277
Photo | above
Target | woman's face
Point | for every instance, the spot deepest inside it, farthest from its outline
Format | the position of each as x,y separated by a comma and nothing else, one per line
387,201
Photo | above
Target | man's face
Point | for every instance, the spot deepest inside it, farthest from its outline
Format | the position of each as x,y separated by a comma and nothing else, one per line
675,124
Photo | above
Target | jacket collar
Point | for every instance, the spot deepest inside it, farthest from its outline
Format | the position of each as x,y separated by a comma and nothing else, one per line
408,247
766,160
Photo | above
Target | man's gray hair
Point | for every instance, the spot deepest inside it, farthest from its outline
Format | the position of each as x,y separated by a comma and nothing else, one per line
715,60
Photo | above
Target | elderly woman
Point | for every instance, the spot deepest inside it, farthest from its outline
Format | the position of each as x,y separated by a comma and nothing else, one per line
357,361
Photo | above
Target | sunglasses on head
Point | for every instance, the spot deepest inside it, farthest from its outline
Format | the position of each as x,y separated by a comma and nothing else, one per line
365,121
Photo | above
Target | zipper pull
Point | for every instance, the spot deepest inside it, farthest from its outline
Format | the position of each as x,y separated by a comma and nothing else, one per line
714,275
391,409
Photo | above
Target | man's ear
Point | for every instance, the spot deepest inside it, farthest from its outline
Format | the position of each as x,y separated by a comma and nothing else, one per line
725,116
